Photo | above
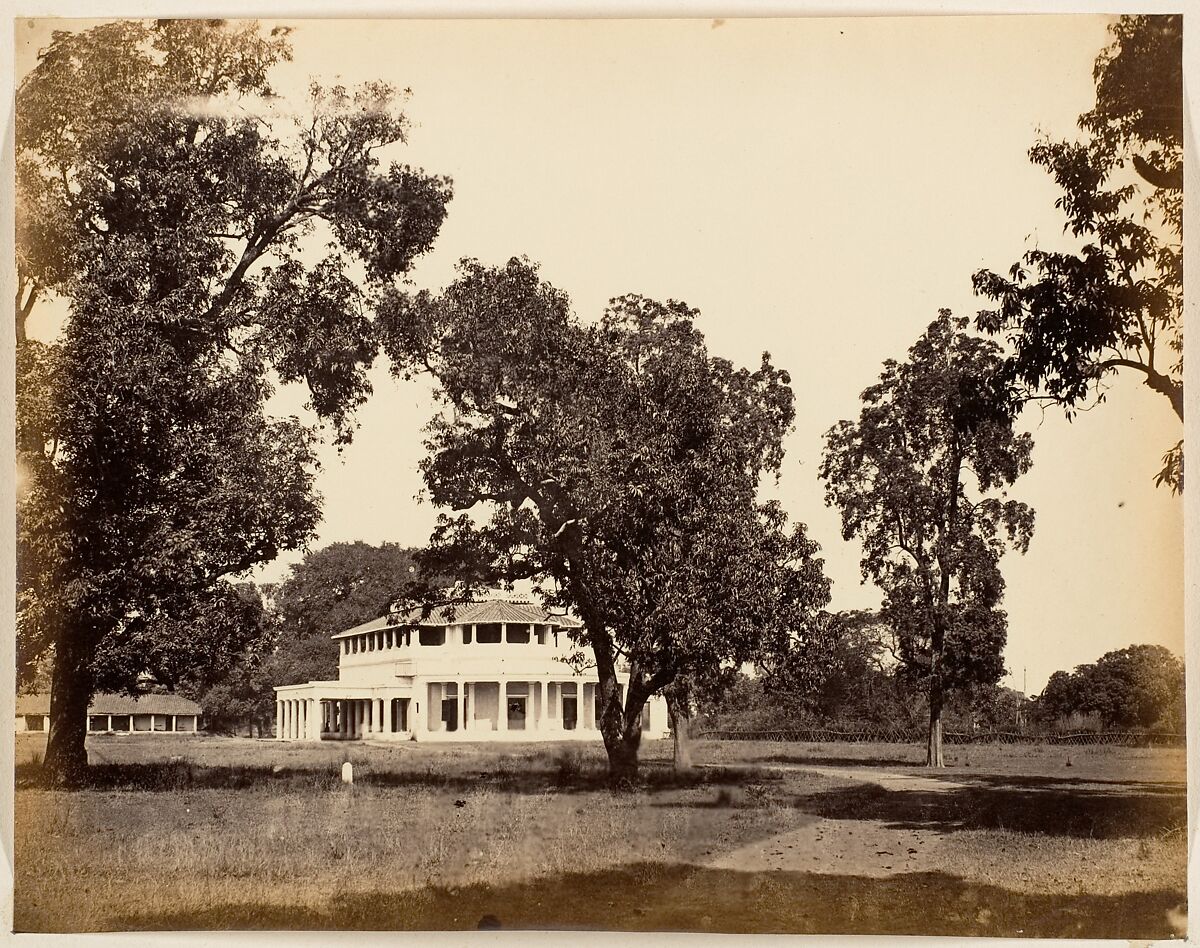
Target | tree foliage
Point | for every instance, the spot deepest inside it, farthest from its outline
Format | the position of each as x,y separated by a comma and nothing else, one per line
168,198
1139,686
230,681
920,479
329,591
617,465
1073,317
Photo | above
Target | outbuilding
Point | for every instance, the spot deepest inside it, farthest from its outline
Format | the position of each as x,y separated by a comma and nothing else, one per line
118,714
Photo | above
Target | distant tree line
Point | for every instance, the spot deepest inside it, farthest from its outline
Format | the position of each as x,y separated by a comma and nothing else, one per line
1136,687
864,686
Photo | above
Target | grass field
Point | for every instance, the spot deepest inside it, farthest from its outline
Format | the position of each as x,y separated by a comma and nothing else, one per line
233,833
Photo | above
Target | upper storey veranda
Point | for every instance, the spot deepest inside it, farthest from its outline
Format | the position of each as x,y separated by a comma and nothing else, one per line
468,628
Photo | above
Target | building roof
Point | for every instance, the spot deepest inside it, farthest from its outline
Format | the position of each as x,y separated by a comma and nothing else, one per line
516,611
115,704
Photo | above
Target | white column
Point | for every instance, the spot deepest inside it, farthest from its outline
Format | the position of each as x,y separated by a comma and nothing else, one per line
417,708
196,724
109,728
502,711
459,690
537,697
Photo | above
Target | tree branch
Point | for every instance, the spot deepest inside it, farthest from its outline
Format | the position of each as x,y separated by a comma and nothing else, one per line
1156,381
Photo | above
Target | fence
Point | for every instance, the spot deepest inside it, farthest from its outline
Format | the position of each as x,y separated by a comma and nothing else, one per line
884,735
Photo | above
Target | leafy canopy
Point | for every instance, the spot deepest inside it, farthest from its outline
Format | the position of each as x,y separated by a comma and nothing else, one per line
173,202
1073,317
332,589
1139,686
920,479
617,465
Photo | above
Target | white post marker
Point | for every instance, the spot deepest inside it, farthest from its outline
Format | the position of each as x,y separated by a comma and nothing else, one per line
348,773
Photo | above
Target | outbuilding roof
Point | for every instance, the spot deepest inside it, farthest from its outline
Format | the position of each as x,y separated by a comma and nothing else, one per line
515,611
105,703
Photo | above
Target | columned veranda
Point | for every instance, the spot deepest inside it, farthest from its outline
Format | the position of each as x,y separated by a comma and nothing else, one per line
457,709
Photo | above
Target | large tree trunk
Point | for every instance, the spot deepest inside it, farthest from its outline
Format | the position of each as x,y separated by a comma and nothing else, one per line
934,757
621,739
680,721
71,689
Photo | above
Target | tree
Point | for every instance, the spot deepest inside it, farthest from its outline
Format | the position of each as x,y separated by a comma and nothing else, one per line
857,683
1139,686
1075,317
1060,698
329,591
166,199
920,480
617,465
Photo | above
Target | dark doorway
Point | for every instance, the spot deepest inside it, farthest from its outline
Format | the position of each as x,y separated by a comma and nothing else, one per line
516,713
450,713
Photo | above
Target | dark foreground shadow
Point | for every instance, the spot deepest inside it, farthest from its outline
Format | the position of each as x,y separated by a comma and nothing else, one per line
660,897
1046,807
174,776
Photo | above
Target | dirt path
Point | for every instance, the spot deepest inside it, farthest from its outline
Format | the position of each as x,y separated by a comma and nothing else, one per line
891,779
846,847
1036,864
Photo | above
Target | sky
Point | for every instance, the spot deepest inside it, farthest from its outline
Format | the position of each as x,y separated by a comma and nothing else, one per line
817,188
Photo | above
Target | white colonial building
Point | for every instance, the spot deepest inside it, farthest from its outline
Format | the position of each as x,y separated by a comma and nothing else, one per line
490,670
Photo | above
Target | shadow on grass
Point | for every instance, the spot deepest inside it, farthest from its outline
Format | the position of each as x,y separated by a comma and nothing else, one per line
531,778
662,897
820,761
1046,807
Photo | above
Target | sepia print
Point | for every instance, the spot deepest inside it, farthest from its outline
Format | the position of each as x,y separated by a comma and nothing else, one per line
711,476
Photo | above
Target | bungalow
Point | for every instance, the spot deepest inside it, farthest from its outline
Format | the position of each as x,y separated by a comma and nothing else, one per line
118,714
490,670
